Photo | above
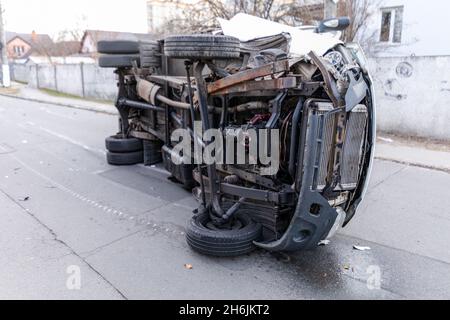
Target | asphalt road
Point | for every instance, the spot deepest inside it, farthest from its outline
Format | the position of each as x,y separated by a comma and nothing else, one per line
73,227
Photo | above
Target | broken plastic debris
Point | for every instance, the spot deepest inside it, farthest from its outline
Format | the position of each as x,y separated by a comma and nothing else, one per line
25,199
188,266
388,140
360,248
324,242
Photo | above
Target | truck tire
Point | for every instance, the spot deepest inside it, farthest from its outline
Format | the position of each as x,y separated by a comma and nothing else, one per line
150,54
118,47
117,144
124,159
118,61
202,47
202,237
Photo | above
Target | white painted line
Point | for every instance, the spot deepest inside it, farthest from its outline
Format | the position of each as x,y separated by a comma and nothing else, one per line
68,139
56,114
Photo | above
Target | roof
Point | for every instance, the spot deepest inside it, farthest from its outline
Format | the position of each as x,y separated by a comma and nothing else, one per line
100,35
28,38
65,48
39,43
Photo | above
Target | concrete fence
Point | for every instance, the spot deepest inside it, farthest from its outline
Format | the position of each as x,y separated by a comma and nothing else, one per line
413,95
83,80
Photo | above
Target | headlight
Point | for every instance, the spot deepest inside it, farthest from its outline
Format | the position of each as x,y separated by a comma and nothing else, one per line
359,56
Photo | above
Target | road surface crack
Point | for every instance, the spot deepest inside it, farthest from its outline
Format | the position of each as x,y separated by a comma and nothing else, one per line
386,179
55,238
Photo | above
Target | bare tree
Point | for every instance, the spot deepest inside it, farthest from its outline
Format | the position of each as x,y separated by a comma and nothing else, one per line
359,12
202,15
74,33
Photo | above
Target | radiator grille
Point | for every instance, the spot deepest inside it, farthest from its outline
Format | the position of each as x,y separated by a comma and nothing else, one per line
353,147
352,150
326,130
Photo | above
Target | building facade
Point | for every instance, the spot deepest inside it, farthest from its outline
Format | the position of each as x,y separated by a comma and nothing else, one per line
92,37
410,28
410,54
22,45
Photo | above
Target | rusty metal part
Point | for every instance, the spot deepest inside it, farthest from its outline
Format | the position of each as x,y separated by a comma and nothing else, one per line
151,92
177,82
251,74
248,86
330,83
308,88
247,176
143,135
173,103
254,105
147,90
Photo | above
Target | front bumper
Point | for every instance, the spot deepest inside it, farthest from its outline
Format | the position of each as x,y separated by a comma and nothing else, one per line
314,218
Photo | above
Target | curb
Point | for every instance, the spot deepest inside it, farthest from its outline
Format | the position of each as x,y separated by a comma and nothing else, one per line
414,164
67,105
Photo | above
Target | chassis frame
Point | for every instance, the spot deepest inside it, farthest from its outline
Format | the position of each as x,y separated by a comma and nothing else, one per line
314,218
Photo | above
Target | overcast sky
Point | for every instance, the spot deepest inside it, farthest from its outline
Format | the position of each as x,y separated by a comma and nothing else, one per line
52,16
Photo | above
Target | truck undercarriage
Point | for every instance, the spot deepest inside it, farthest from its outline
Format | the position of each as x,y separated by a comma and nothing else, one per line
316,112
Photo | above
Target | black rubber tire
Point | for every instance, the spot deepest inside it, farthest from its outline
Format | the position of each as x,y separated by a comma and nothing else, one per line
118,61
125,159
118,47
150,54
117,144
202,47
222,243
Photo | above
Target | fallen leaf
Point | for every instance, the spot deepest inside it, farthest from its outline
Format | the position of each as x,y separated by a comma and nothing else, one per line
188,266
346,267
360,248
324,242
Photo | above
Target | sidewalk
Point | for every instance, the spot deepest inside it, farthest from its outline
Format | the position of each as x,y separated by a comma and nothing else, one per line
22,91
416,152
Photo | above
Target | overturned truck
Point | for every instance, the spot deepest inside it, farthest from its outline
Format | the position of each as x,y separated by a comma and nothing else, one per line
311,115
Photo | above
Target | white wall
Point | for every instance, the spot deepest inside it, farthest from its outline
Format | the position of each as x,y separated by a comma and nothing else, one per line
413,95
425,28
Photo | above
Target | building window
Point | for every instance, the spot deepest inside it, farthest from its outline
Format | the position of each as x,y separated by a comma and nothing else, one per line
391,24
19,50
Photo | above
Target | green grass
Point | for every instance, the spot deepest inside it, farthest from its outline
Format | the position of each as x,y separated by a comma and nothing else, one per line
71,96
